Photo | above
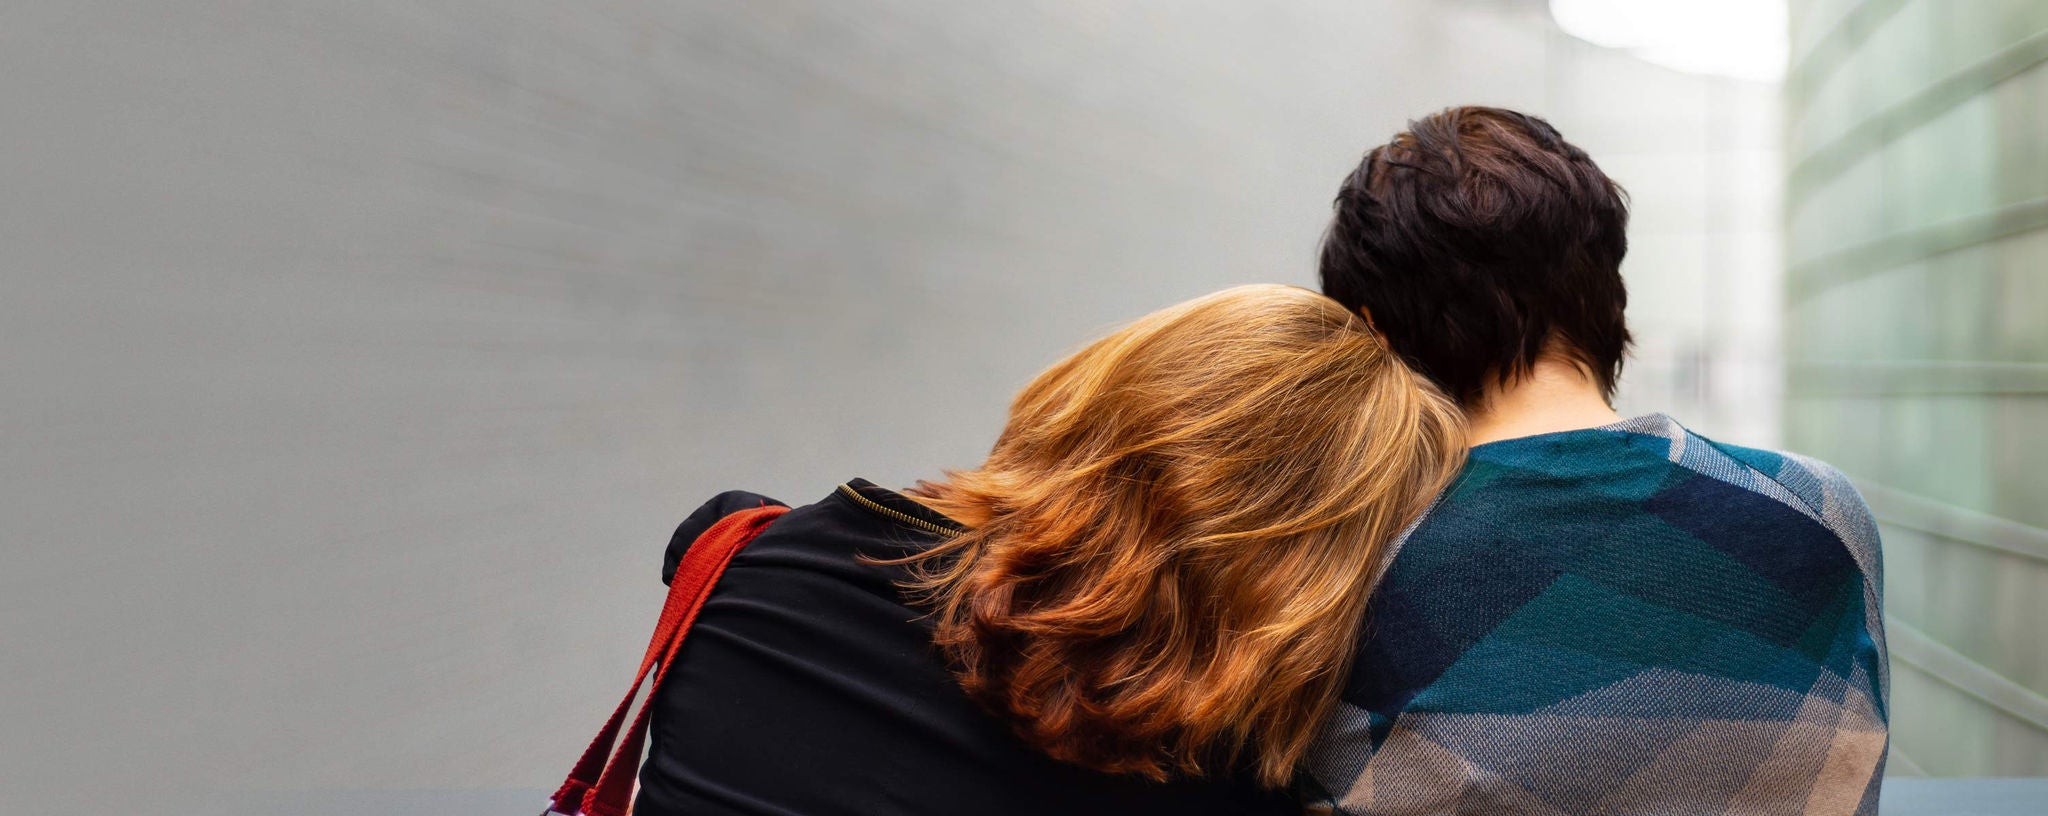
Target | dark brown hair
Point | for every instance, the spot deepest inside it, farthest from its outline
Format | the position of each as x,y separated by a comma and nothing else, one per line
1171,542
1479,240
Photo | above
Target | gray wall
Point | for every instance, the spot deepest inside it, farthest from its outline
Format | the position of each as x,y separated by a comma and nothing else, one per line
1918,167
359,356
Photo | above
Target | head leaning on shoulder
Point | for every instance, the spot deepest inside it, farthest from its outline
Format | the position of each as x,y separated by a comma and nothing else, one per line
1171,541
1479,242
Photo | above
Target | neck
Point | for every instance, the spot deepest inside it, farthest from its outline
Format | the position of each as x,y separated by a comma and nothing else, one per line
1554,396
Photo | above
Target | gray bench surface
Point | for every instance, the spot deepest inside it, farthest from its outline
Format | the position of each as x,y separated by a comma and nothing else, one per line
1964,797
1902,797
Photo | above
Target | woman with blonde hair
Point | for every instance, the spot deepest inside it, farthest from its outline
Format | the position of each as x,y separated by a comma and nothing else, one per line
1143,601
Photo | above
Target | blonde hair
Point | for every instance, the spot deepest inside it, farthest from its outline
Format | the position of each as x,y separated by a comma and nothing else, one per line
1172,542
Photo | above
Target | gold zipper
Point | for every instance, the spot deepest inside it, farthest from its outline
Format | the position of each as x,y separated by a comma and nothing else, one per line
906,518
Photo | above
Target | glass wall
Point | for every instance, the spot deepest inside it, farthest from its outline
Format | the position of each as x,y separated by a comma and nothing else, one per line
1917,345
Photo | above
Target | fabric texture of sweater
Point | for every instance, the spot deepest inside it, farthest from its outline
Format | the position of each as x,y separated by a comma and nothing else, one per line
1627,619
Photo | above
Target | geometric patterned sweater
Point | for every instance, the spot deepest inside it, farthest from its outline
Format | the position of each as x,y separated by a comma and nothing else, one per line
1621,620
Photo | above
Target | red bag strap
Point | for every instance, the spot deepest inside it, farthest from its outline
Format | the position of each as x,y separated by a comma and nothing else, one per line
597,787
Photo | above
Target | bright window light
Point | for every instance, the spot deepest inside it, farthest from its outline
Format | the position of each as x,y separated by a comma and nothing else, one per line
1744,39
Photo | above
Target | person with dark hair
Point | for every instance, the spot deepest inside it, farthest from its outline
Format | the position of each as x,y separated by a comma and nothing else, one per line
1600,615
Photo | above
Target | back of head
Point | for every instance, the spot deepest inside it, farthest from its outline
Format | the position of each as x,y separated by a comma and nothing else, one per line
1173,538
1479,240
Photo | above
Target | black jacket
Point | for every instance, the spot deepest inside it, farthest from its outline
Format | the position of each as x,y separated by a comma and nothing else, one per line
809,686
